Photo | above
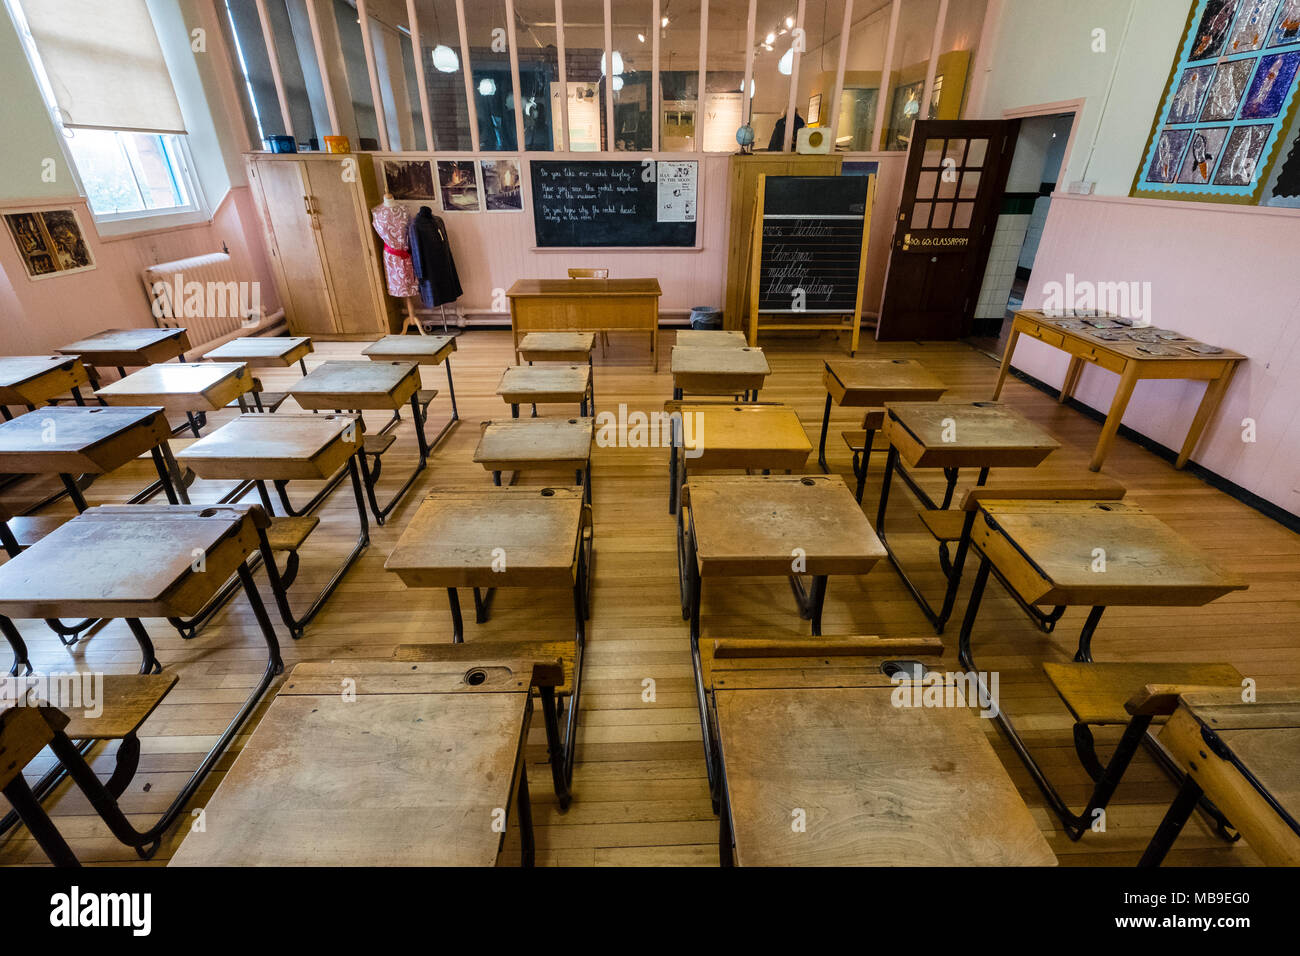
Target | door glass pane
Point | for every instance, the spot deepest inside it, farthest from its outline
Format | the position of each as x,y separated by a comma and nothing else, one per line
444,74
970,184
489,62
961,218
539,72
956,151
942,215
948,184
357,75
975,155
925,185
933,152
921,215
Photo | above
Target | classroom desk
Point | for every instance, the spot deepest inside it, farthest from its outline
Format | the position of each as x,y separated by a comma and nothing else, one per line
719,371
872,382
864,771
133,562
71,440
422,350
1046,553
952,436
710,339
283,448
517,446
357,386
751,526
571,348
265,351
547,384
415,771
505,537
1243,756
33,380
193,389
129,348
765,437
1131,361
586,305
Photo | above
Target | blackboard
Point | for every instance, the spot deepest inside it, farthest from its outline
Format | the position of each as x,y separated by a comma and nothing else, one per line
811,244
610,203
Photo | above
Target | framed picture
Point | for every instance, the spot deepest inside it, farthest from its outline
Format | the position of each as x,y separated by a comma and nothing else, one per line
409,178
502,185
50,242
815,109
458,181
1233,90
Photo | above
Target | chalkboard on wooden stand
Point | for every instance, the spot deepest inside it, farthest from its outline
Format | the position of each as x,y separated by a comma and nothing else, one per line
612,203
809,253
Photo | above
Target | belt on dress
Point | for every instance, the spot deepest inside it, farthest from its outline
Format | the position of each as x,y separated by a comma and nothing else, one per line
400,253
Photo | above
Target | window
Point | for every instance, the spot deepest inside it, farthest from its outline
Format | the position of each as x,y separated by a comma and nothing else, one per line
123,126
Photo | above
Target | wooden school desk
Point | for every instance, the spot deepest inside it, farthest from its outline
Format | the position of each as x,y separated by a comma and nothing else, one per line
1132,362
871,382
766,437
422,768
265,351
422,350
719,371
586,305
952,436
283,448
133,562
547,384
503,537
750,527
357,386
1045,553
1246,758
710,338
876,784
193,389
129,348
518,446
33,380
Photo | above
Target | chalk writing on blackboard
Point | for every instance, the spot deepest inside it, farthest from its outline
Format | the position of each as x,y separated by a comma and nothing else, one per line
609,203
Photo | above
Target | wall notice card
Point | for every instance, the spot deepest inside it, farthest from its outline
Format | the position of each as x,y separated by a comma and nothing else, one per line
676,191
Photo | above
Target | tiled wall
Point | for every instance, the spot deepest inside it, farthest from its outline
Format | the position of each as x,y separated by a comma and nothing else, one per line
1004,254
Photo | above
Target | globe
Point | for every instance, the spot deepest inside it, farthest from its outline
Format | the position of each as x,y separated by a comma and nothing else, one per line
745,136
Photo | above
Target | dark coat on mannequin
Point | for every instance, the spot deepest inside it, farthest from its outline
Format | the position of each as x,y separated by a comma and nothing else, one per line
432,260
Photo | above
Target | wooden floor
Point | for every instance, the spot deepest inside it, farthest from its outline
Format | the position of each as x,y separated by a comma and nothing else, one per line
640,791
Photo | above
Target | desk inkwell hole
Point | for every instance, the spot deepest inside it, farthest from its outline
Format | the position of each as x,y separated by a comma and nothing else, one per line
208,513
807,481
548,492
907,670
475,677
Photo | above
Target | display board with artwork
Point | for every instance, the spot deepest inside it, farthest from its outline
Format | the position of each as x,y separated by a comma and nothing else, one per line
50,242
1230,97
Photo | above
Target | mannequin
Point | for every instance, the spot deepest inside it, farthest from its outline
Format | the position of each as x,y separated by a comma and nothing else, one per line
392,221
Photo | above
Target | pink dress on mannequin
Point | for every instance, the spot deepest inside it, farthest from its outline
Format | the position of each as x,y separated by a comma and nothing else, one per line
392,223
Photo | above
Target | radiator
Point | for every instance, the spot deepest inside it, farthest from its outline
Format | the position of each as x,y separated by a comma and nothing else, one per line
205,295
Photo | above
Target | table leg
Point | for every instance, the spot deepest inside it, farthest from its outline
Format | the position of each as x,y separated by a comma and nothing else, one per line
1189,794
457,622
527,850
1116,414
39,824
17,645
149,663
1072,373
1012,339
1214,393
726,855
555,747
821,445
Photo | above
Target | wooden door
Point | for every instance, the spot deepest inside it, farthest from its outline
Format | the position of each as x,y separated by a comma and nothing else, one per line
304,290
956,174
346,242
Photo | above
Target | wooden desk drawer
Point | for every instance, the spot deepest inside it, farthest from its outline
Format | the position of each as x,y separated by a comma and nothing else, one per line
1098,356
1044,334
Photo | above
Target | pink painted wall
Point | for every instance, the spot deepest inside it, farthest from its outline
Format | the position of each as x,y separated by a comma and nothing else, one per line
1224,274
37,316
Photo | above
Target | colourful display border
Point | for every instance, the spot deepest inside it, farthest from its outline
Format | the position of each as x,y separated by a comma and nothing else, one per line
1209,192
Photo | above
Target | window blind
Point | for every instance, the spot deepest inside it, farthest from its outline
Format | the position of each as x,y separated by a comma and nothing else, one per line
104,64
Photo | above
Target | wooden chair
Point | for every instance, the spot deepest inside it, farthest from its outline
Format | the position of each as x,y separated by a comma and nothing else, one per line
593,274
128,700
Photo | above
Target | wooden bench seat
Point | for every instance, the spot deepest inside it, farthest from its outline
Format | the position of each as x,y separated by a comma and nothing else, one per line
426,395
261,400
29,529
288,534
943,523
1100,693
563,651
128,700
377,444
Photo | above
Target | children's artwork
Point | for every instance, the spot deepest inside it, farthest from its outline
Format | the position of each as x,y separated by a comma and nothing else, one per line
50,242
1232,92
502,185
459,184
409,178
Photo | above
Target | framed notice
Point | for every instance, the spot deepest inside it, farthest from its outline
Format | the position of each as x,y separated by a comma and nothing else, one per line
676,192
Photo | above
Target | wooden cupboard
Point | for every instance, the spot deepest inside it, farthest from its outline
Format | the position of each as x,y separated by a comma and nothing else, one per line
325,256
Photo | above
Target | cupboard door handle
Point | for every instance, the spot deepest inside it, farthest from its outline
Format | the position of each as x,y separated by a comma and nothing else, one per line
306,201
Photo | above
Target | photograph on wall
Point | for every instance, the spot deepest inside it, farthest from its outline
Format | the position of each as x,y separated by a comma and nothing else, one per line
409,178
1231,94
459,184
50,242
502,185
